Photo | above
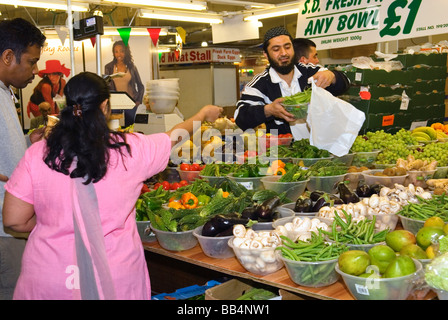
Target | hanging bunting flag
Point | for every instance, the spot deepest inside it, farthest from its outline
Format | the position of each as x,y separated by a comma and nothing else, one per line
125,34
182,33
62,33
93,40
154,34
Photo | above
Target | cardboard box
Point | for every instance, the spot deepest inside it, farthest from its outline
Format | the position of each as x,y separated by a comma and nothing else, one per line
432,59
367,76
425,73
426,86
232,290
380,90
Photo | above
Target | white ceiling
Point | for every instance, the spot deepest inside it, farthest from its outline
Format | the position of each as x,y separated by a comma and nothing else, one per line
119,15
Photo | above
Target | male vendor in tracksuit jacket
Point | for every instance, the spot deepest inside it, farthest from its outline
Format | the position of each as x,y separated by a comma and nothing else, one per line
261,98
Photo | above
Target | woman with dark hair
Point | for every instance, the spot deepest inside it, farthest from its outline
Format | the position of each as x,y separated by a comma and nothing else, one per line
129,80
76,193
51,85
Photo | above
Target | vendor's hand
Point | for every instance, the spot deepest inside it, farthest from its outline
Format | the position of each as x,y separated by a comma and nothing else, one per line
211,112
37,134
324,78
277,110
3,178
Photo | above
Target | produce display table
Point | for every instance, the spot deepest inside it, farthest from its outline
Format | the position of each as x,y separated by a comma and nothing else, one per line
279,279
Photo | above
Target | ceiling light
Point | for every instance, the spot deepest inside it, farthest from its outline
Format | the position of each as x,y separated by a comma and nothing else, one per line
62,5
278,11
204,44
178,4
243,3
181,16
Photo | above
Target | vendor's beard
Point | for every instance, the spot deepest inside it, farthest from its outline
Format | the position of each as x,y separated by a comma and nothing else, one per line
285,69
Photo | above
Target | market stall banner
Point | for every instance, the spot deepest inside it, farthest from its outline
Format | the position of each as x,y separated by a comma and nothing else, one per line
344,23
203,55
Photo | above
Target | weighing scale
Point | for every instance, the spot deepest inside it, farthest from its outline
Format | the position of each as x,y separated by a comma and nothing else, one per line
149,123
119,101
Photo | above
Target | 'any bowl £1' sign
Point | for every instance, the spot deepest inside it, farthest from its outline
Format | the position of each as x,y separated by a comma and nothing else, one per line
344,23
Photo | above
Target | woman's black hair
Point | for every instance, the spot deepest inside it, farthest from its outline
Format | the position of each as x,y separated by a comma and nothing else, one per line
85,138
128,60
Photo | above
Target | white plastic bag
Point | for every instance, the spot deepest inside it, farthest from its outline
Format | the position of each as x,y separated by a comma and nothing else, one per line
334,123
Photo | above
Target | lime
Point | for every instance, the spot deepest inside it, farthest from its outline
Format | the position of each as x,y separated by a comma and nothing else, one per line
399,267
434,222
397,239
427,235
413,251
354,262
381,256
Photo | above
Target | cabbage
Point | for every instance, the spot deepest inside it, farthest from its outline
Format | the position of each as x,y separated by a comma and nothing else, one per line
436,274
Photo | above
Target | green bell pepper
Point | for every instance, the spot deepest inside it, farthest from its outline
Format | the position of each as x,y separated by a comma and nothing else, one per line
153,204
203,200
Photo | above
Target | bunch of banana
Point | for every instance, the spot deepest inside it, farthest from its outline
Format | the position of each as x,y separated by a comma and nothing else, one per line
441,136
423,134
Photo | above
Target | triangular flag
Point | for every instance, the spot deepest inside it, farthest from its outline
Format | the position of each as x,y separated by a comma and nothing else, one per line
62,33
154,34
125,33
93,40
182,33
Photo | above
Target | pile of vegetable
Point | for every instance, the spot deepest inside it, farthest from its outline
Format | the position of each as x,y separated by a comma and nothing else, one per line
297,104
298,149
195,204
217,170
436,206
314,250
294,173
316,200
355,232
298,98
325,168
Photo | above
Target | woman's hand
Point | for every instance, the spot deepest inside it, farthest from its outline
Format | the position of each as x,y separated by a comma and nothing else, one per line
211,112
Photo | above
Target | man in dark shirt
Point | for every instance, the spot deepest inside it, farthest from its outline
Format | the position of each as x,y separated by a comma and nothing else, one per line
261,99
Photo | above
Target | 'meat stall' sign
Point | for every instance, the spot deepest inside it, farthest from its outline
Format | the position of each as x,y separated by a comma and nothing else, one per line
202,55
344,23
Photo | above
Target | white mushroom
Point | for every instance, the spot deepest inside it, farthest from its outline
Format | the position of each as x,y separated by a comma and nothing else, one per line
374,200
255,244
360,208
385,191
268,256
250,233
426,195
239,230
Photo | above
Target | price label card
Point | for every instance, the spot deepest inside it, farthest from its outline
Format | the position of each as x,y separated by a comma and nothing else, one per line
340,24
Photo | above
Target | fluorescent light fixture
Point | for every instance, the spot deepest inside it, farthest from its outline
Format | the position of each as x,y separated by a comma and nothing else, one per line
58,5
181,16
113,31
178,4
278,11
243,3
